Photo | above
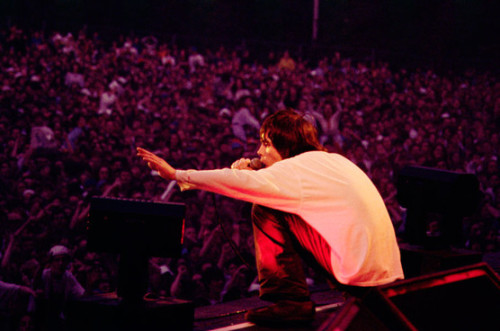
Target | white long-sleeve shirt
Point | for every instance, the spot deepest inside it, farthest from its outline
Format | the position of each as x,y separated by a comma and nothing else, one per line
333,196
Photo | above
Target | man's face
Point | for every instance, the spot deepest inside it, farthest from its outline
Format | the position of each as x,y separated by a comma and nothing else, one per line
59,264
267,152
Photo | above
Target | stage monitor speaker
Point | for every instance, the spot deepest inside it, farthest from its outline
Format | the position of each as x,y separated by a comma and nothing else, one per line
466,298
418,261
436,201
136,230
355,316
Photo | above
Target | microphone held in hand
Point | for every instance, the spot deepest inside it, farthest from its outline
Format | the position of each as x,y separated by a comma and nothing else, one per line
255,164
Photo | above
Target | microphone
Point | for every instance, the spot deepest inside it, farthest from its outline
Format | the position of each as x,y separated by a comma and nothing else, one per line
255,164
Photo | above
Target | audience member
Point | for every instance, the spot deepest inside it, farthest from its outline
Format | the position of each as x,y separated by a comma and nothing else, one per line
57,287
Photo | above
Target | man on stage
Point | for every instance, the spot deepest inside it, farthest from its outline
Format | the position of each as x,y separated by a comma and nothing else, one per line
307,202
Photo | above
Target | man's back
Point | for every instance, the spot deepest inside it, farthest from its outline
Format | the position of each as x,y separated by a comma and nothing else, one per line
333,196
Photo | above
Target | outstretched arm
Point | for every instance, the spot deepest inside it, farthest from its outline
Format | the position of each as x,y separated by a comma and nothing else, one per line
156,163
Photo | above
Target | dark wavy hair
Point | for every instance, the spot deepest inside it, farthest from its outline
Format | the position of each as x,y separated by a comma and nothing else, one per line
290,133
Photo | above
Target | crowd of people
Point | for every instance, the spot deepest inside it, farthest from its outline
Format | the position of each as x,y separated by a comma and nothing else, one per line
73,109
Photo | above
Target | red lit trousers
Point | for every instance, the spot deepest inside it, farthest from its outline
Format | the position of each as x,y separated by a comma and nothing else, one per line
281,239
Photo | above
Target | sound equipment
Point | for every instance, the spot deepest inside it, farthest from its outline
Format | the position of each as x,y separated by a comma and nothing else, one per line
417,260
436,201
355,316
137,230
466,298
135,226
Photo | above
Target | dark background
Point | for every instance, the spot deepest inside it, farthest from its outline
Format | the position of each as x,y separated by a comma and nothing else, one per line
450,33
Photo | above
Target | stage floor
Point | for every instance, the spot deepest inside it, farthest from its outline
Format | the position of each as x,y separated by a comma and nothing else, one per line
230,316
